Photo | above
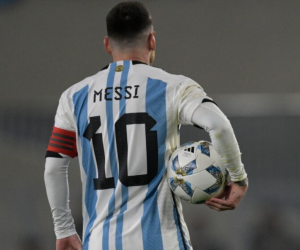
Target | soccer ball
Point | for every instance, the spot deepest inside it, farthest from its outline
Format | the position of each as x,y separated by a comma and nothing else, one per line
196,172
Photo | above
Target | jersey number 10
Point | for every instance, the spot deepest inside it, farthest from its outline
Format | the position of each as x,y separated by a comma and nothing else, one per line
102,182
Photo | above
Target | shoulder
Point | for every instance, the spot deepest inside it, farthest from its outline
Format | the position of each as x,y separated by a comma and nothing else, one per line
159,74
69,92
177,82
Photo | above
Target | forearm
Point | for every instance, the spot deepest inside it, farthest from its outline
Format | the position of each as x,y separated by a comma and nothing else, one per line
211,118
56,181
227,147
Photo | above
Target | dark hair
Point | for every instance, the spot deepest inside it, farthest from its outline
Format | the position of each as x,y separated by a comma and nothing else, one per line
127,20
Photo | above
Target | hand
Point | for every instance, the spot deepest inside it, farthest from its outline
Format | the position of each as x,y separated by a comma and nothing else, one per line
69,243
230,198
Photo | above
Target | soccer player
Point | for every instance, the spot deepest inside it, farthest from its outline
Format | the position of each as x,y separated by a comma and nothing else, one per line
123,124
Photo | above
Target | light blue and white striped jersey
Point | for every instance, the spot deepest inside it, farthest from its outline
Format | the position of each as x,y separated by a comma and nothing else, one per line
126,119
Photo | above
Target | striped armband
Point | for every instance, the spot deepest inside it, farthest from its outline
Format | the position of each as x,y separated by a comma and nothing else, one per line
63,141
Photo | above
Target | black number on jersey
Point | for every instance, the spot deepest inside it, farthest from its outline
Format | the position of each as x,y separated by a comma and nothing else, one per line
122,145
90,133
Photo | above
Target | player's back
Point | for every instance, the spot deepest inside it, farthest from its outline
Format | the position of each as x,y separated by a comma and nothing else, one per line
126,120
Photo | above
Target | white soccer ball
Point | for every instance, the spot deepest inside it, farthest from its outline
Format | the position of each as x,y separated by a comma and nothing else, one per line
196,172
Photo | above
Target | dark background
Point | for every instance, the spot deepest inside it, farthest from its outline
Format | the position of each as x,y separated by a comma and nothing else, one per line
245,54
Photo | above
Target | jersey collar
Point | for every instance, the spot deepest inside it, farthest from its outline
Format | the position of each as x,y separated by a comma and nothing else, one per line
134,62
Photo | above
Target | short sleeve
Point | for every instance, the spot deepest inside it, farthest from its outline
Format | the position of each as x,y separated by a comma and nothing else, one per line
64,118
63,137
191,95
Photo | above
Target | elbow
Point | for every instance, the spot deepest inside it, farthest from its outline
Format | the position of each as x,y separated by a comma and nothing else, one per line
50,171
222,129
55,167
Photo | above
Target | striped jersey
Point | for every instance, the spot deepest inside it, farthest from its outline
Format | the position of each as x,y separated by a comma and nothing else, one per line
123,123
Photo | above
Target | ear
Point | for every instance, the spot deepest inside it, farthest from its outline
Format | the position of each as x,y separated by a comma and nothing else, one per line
151,41
107,45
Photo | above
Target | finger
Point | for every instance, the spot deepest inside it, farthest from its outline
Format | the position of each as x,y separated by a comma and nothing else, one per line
221,204
214,208
219,207
226,203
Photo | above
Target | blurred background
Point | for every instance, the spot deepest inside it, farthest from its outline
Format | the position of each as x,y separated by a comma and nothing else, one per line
246,56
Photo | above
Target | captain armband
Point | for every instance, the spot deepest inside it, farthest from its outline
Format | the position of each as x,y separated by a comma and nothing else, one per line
62,142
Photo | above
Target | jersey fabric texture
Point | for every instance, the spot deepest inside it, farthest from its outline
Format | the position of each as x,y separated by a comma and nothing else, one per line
126,119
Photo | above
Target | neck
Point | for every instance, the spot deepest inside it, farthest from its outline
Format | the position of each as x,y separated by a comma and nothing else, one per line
142,56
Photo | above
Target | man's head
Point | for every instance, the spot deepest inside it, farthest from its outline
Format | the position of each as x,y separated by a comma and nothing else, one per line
129,29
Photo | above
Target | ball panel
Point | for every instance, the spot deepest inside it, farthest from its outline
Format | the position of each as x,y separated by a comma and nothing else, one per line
220,190
185,157
189,168
175,164
176,183
199,196
203,161
187,187
203,146
182,194
201,180
212,189
216,172
217,159
173,183
171,174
